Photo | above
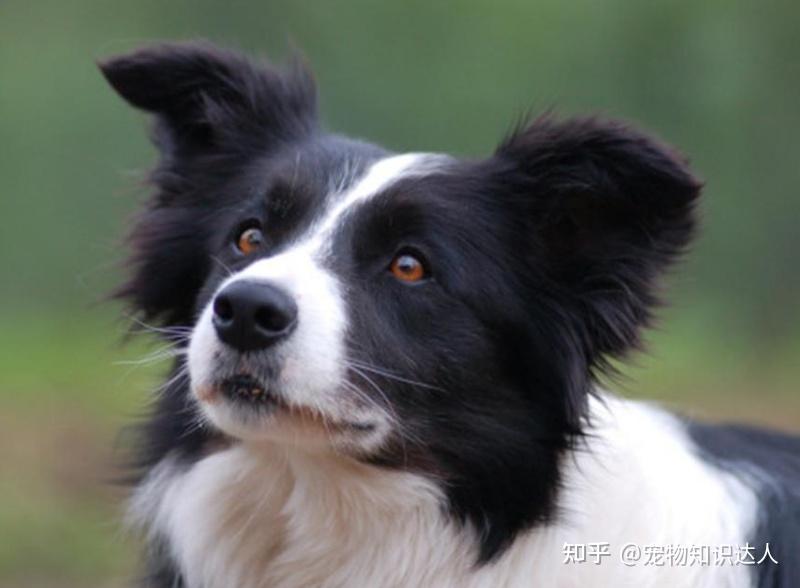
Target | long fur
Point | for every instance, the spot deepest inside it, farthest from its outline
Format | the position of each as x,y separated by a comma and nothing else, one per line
448,432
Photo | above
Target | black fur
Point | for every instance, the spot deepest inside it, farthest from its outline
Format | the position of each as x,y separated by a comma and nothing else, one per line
545,255
771,463
216,112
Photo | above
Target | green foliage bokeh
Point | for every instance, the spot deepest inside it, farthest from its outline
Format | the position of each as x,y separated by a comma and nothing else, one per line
719,79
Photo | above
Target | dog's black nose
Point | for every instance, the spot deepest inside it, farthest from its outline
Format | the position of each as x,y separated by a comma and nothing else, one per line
251,315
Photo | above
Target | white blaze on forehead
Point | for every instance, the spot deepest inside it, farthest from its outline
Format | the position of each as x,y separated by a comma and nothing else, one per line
291,266
378,177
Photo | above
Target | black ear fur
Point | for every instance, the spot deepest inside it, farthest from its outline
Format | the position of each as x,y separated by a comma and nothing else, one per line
610,208
215,112
202,94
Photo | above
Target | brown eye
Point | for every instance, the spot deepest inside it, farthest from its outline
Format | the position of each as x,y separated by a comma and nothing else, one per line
407,268
250,240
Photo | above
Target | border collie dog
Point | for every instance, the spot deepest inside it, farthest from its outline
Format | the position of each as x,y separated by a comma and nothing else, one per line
387,364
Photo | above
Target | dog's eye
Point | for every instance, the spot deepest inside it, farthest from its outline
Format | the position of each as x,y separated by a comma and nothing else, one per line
406,267
250,240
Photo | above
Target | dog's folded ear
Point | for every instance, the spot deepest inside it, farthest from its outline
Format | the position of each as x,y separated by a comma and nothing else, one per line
214,110
608,209
202,94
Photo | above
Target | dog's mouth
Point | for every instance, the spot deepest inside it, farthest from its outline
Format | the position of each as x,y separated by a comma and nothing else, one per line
247,390
254,396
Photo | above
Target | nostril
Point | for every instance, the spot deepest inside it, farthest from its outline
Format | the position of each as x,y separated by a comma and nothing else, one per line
223,309
273,319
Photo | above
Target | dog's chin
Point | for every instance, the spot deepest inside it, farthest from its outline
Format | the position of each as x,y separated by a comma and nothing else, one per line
251,410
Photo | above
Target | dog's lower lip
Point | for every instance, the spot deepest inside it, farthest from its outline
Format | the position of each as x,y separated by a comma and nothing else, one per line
246,388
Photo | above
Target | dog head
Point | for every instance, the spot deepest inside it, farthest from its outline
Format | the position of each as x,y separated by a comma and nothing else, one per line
416,311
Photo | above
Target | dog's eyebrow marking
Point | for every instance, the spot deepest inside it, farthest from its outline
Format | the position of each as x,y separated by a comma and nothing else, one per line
379,176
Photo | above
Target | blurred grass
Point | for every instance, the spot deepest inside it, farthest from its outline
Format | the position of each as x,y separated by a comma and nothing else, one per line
64,397
707,371
719,79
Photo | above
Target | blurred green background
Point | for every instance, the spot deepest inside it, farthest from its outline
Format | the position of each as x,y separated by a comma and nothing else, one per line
720,79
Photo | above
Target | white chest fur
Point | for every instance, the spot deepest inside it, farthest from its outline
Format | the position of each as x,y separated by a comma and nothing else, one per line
252,517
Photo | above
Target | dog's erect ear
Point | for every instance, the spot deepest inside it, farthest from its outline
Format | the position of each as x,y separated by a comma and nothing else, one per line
202,94
609,209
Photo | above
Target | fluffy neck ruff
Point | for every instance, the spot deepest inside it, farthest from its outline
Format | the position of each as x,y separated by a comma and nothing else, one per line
254,516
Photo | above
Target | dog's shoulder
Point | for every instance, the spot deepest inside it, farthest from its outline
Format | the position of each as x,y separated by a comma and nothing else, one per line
771,462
